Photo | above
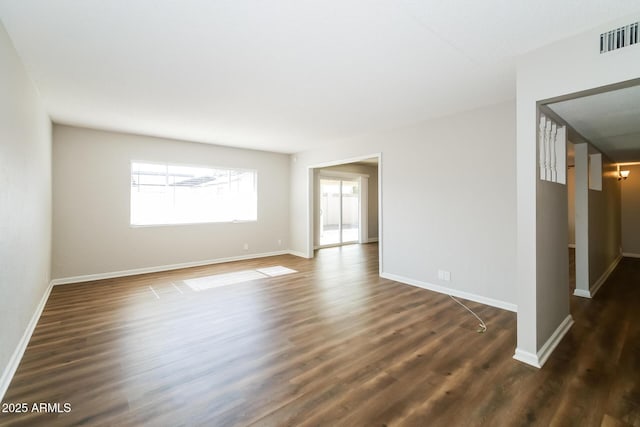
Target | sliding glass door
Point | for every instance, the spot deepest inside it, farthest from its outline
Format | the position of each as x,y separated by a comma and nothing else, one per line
339,211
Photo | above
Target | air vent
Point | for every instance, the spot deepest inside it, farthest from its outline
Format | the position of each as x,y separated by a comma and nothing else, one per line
619,38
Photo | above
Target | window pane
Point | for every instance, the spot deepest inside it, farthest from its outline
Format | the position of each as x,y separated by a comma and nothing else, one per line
173,194
350,211
329,211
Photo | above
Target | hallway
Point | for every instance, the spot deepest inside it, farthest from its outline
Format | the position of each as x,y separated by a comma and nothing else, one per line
600,352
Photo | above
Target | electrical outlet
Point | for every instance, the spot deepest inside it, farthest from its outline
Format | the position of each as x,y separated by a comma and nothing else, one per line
246,247
444,275
279,242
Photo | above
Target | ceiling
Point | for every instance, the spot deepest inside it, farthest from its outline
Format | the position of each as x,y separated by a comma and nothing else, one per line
609,120
280,75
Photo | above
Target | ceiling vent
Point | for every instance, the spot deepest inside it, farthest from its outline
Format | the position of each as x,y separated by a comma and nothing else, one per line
619,38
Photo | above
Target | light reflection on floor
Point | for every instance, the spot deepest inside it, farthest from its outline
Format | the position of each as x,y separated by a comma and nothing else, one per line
225,279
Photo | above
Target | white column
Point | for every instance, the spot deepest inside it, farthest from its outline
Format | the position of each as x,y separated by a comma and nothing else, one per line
547,149
542,145
552,152
582,220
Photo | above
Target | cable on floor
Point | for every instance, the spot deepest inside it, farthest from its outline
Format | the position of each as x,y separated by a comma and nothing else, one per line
482,327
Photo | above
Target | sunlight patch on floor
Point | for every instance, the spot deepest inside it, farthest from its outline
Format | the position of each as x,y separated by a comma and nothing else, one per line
278,270
225,279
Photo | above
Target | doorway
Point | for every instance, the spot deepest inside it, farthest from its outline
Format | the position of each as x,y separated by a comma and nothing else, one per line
355,181
604,128
339,211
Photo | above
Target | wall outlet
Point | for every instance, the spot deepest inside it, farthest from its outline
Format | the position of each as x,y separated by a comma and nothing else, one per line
444,275
246,247
279,242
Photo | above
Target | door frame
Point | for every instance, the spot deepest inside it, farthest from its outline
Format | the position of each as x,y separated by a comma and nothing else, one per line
311,193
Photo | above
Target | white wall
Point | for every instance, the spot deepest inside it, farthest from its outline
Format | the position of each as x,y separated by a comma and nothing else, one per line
91,184
565,67
448,200
372,193
630,189
25,206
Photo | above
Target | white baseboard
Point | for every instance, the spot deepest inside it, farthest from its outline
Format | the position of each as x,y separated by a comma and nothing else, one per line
572,245
630,255
596,286
527,357
299,254
16,357
554,339
449,291
372,240
540,358
135,271
582,293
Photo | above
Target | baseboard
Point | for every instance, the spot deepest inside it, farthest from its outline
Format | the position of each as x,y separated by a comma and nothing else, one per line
540,358
596,286
630,255
554,339
572,245
299,254
449,291
582,293
527,357
372,240
145,270
16,357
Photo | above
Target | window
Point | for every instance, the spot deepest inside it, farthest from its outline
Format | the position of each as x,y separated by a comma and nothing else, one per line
173,194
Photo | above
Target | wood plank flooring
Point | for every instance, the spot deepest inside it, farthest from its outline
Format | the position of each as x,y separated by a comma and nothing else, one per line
330,345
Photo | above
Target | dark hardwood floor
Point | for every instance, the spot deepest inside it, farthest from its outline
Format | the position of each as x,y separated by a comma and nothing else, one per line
331,345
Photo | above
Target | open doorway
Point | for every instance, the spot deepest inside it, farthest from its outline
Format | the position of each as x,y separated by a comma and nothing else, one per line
604,128
345,203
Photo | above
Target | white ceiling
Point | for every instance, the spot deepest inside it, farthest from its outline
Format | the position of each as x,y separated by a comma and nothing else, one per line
281,75
609,120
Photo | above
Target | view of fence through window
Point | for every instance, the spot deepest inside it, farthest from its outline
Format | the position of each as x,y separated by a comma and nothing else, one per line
339,211
172,194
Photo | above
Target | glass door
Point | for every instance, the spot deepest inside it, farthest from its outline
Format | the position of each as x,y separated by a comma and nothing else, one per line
350,225
339,211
